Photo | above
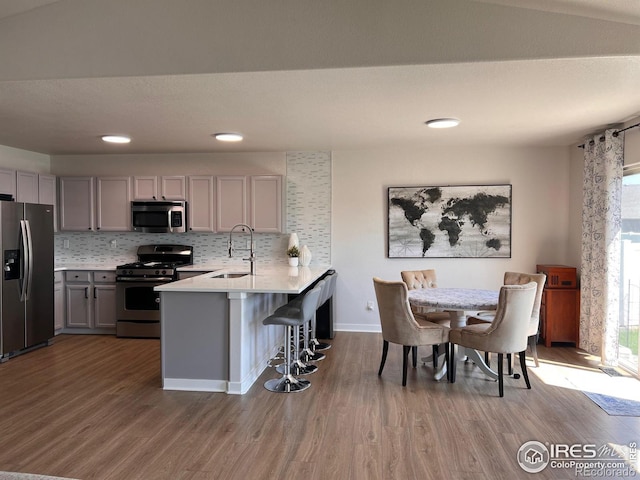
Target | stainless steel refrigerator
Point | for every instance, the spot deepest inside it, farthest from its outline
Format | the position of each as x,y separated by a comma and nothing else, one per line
26,290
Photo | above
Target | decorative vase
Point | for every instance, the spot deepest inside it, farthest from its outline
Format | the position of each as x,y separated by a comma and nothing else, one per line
293,261
293,240
305,256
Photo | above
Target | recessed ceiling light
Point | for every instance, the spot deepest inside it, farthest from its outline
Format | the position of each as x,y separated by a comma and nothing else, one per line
228,137
116,139
443,123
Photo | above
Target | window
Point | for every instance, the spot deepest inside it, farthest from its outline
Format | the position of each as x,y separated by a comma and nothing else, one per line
630,274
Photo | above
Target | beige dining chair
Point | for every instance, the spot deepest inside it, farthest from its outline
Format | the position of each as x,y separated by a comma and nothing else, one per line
401,327
415,279
515,278
506,334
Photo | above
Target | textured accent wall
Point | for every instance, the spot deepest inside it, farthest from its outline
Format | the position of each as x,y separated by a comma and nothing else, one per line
308,213
96,248
308,194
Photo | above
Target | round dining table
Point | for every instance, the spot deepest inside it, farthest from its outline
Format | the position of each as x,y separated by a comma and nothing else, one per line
458,301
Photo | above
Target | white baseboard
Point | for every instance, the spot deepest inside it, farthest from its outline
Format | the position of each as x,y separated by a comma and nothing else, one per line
357,327
194,385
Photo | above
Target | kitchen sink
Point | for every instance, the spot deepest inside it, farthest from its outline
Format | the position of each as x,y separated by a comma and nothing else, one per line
230,275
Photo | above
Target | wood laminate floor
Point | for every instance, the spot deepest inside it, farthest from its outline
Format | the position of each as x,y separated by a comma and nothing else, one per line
92,407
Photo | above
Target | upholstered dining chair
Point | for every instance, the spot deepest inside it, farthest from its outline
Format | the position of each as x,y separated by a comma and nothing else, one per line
400,326
515,278
507,333
415,279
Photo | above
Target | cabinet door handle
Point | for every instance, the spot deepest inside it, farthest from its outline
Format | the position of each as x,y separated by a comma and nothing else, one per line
94,292
86,292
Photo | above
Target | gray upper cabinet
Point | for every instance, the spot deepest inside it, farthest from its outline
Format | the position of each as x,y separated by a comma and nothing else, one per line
266,203
47,195
88,204
231,202
201,203
255,200
77,204
113,204
27,187
8,182
145,188
47,189
215,204
167,187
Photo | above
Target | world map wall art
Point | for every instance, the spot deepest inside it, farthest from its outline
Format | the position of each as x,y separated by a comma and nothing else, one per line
450,221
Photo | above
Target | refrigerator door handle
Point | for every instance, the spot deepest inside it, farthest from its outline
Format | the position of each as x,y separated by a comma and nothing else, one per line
29,260
24,268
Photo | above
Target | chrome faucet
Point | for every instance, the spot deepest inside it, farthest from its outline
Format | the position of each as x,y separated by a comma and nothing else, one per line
252,254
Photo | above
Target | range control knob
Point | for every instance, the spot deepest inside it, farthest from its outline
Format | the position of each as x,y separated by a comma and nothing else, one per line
157,272
164,272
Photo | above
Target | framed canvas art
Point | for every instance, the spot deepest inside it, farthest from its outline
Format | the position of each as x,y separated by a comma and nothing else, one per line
464,221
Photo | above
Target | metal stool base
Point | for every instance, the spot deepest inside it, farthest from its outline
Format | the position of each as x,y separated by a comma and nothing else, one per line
298,368
287,384
308,356
322,346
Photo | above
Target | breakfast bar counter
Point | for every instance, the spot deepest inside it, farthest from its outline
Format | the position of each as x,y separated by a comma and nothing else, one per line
212,336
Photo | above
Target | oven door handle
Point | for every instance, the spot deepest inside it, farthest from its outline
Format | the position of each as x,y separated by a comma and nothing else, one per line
145,280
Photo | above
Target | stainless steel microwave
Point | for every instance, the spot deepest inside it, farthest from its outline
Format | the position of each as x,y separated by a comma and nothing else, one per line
159,216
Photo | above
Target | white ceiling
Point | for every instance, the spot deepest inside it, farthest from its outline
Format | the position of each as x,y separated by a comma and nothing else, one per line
531,93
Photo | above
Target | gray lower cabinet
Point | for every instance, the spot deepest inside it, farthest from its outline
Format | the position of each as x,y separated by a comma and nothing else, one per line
90,301
58,301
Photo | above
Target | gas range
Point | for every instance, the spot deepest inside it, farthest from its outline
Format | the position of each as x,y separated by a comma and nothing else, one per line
148,269
157,261
137,303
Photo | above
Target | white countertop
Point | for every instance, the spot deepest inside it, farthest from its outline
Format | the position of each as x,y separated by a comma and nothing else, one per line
85,266
210,267
269,279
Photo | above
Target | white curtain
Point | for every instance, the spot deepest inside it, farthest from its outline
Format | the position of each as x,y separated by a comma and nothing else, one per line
601,230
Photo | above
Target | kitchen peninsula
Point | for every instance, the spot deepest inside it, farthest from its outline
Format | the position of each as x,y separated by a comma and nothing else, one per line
212,336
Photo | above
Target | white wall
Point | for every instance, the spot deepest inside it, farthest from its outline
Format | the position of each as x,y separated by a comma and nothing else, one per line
576,180
541,199
16,159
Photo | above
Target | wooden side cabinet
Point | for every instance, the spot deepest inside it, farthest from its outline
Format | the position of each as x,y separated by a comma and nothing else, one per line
560,315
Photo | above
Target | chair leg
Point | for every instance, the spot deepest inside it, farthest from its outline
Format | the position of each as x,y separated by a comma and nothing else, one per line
500,379
446,360
533,345
487,359
414,355
434,351
523,365
509,364
385,349
451,368
405,360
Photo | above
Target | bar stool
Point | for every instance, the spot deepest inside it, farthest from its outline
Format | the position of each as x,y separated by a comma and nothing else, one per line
307,354
328,292
290,319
